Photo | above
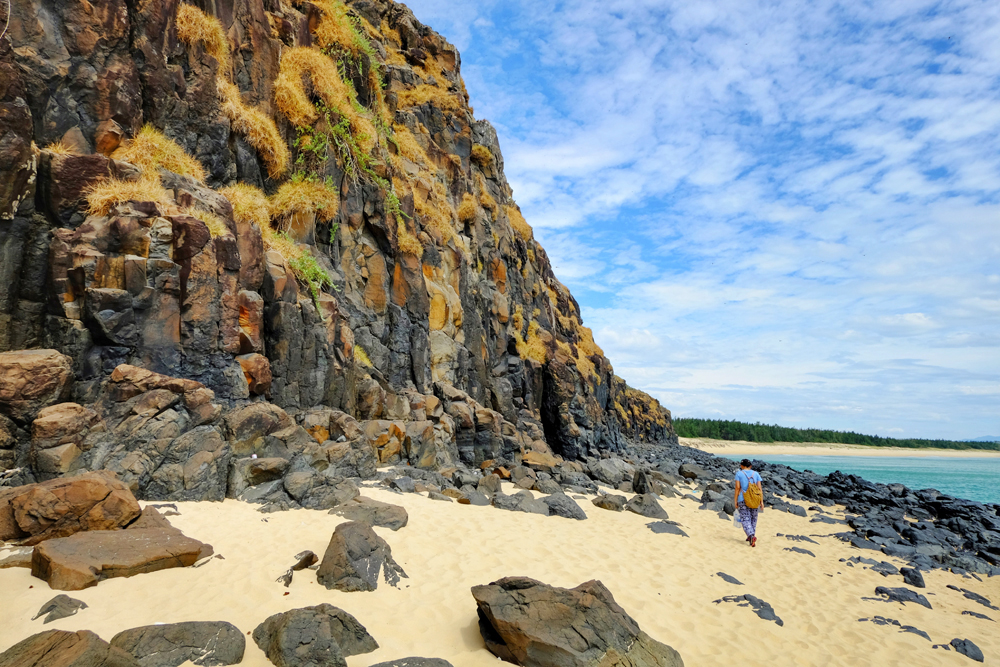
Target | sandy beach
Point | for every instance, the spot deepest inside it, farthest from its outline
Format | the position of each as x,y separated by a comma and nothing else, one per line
743,447
666,582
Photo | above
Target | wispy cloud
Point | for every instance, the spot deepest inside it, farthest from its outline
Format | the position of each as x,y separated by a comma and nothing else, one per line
767,210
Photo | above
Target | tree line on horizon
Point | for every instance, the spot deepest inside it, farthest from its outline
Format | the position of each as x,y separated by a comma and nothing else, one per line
720,429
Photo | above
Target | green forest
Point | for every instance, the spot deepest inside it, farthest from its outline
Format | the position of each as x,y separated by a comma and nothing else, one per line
732,430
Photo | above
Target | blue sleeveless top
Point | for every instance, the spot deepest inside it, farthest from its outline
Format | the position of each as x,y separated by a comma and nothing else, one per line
746,478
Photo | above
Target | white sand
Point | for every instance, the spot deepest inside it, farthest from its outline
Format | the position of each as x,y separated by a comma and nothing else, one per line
732,448
666,582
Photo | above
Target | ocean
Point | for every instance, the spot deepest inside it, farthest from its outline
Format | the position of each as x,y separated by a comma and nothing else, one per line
971,478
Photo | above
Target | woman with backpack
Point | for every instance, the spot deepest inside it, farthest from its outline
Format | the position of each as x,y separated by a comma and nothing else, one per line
749,499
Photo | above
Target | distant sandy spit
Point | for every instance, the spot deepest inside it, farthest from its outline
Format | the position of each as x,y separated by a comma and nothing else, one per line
732,448
667,583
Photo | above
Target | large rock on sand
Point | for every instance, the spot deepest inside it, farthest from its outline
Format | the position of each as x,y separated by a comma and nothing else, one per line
62,507
31,380
81,560
373,512
172,644
313,636
646,505
58,648
354,559
529,623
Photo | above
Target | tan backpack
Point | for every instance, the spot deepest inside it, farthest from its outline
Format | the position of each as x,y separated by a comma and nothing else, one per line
753,497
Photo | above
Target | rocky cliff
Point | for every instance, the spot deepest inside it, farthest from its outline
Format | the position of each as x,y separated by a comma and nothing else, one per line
287,211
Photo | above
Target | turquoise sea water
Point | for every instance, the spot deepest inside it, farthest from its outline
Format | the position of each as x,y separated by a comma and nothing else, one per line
972,478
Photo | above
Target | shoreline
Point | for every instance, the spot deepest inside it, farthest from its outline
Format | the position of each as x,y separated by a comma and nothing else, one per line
742,447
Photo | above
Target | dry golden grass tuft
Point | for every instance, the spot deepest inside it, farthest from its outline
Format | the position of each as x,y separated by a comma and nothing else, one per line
337,29
532,347
436,214
151,149
250,205
425,93
304,196
59,148
517,221
468,208
409,147
193,26
216,227
293,100
408,243
486,200
517,320
481,155
256,127
108,193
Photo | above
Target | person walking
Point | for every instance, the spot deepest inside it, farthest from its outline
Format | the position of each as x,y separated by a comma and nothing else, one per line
749,499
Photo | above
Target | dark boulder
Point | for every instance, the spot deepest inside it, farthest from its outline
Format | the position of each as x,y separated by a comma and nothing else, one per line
319,636
693,471
529,623
354,559
968,649
415,662
171,644
58,648
913,577
560,504
522,501
404,485
609,502
646,505
373,512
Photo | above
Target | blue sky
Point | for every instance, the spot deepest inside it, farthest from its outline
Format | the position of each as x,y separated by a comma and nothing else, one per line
777,211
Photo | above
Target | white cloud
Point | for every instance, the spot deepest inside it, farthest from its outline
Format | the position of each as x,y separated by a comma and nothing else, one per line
767,210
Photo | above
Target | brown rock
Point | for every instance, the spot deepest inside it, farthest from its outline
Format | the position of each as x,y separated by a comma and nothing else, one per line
127,381
57,436
61,507
251,423
539,459
58,648
67,178
257,370
108,137
82,560
251,307
149,519
529,623
31,380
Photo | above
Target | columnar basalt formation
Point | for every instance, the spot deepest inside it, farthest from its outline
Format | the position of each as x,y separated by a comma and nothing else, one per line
286,215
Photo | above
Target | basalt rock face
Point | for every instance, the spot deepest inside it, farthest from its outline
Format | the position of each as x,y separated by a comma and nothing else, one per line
444,339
